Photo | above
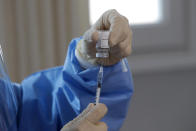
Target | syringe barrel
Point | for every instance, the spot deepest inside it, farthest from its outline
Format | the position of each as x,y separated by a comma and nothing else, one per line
100,75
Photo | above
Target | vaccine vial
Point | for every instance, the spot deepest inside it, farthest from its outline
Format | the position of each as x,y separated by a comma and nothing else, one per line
102,45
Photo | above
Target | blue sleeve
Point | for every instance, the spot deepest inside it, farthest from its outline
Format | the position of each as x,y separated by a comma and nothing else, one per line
10,96
116,91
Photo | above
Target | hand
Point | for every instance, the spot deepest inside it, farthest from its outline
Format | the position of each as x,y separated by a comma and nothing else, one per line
120,39
89,119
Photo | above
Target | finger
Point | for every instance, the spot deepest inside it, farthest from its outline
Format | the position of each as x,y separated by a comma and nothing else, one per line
97,113
85,111
119,31
104,22
122,49
128,48
119,47
87,125
102,126
125,52
117,34
91,36
125,18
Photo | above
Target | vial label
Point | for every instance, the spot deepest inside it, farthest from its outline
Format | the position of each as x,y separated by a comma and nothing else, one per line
102,45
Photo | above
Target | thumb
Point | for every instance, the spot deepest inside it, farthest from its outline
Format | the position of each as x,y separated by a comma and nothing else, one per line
97,113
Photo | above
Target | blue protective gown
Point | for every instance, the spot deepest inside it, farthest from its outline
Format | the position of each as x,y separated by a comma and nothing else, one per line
47,100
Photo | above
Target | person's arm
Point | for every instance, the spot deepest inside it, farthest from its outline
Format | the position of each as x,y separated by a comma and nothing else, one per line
83,65
116,91
10,98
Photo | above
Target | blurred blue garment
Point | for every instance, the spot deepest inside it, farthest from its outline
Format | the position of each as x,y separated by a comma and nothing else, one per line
8,101
51,98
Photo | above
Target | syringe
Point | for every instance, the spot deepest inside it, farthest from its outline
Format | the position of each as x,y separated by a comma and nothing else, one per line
102,48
